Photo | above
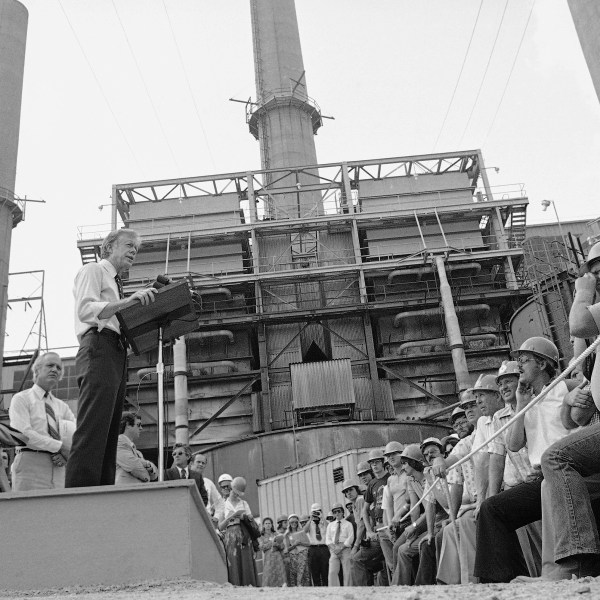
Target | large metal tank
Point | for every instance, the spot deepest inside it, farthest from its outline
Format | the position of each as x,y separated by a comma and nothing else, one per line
13,35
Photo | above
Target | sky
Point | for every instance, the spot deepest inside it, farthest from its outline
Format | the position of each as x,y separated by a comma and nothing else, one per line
120,91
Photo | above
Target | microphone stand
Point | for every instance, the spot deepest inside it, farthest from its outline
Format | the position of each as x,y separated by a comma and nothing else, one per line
160,370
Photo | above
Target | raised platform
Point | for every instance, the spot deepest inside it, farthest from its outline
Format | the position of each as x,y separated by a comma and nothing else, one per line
107,535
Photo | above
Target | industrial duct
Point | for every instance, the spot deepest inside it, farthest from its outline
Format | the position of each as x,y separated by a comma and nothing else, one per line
220,291
483,309
431,343
202,335
420,271
201,366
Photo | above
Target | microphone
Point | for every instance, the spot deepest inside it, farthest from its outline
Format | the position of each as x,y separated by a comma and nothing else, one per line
160,282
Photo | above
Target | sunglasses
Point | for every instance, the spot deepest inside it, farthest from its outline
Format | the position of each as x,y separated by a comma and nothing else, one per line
178,453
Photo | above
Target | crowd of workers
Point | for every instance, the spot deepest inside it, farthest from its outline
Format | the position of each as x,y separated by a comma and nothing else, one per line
511,495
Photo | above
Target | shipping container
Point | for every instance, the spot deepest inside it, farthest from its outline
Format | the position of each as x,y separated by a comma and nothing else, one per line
321,482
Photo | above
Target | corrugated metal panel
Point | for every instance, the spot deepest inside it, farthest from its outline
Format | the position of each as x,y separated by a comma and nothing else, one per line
278,336
351,330
297,490
322,383
281,404
363,391
448,188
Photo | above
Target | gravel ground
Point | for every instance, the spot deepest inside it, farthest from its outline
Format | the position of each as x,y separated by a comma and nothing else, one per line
586,589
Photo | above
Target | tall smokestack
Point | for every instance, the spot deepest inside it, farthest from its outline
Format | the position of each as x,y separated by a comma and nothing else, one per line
13,34
284,119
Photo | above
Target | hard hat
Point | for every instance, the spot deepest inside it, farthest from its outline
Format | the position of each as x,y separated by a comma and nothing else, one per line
281,518
457,412
450,439
430,441
392,447
593,257
350,483
508,367
336,506
224,477
413,452
238,485
293,516
539,346
315,507
485,383
467,396
376,454
363,467
304,518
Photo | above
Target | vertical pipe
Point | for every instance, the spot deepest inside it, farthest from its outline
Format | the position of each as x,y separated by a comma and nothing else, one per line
459,359
160,372
13,36
181,391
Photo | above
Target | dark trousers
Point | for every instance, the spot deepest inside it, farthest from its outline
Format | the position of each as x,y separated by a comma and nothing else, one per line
366,562
498,555
318,564
101,377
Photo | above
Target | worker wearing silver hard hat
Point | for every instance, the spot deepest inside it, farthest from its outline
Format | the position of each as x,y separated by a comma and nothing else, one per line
487,395
456,414
593,259
429,441
540,347
508,380
431,448
224,482
468,402
364,472
348,484
412,452
375,455
392,448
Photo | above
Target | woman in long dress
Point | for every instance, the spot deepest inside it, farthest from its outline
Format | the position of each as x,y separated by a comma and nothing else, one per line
271,544
238,543
296,545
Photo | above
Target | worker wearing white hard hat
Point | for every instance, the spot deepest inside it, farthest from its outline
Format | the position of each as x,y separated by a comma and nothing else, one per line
224,483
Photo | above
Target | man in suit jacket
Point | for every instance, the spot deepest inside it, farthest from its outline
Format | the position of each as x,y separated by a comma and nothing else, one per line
132,467
182,455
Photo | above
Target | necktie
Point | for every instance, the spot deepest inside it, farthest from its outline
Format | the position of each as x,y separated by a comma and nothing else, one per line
51,418
318,528
183,474
336,539
119,283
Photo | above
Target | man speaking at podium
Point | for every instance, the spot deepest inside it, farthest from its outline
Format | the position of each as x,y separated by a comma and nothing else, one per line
100,362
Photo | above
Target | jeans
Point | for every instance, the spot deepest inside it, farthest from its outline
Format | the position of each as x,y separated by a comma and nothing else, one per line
335,561
565,464
366,562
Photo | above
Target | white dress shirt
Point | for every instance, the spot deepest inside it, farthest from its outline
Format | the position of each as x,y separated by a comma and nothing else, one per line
346,533
215,500
94,288
27,413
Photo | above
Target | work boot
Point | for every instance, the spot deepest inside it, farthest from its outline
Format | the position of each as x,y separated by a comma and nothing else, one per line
572,567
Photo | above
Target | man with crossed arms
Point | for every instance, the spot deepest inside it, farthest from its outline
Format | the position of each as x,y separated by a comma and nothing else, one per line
48,424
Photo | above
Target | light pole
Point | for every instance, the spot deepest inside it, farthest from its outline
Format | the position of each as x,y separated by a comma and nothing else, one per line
545,205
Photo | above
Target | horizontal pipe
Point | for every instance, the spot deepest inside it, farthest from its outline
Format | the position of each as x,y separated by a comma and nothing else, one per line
437,311
214,291
437,341
202,335
420,271
168,370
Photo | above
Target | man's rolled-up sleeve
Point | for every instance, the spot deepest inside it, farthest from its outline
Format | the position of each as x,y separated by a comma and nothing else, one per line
87,292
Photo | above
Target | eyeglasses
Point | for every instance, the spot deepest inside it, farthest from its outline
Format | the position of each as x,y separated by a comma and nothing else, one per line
524,359
225,486
337,510
179,453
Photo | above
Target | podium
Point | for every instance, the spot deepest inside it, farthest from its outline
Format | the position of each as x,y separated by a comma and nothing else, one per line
170,316
172,310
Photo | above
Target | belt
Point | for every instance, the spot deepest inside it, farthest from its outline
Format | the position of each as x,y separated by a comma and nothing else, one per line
318,545
118,337
19,450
